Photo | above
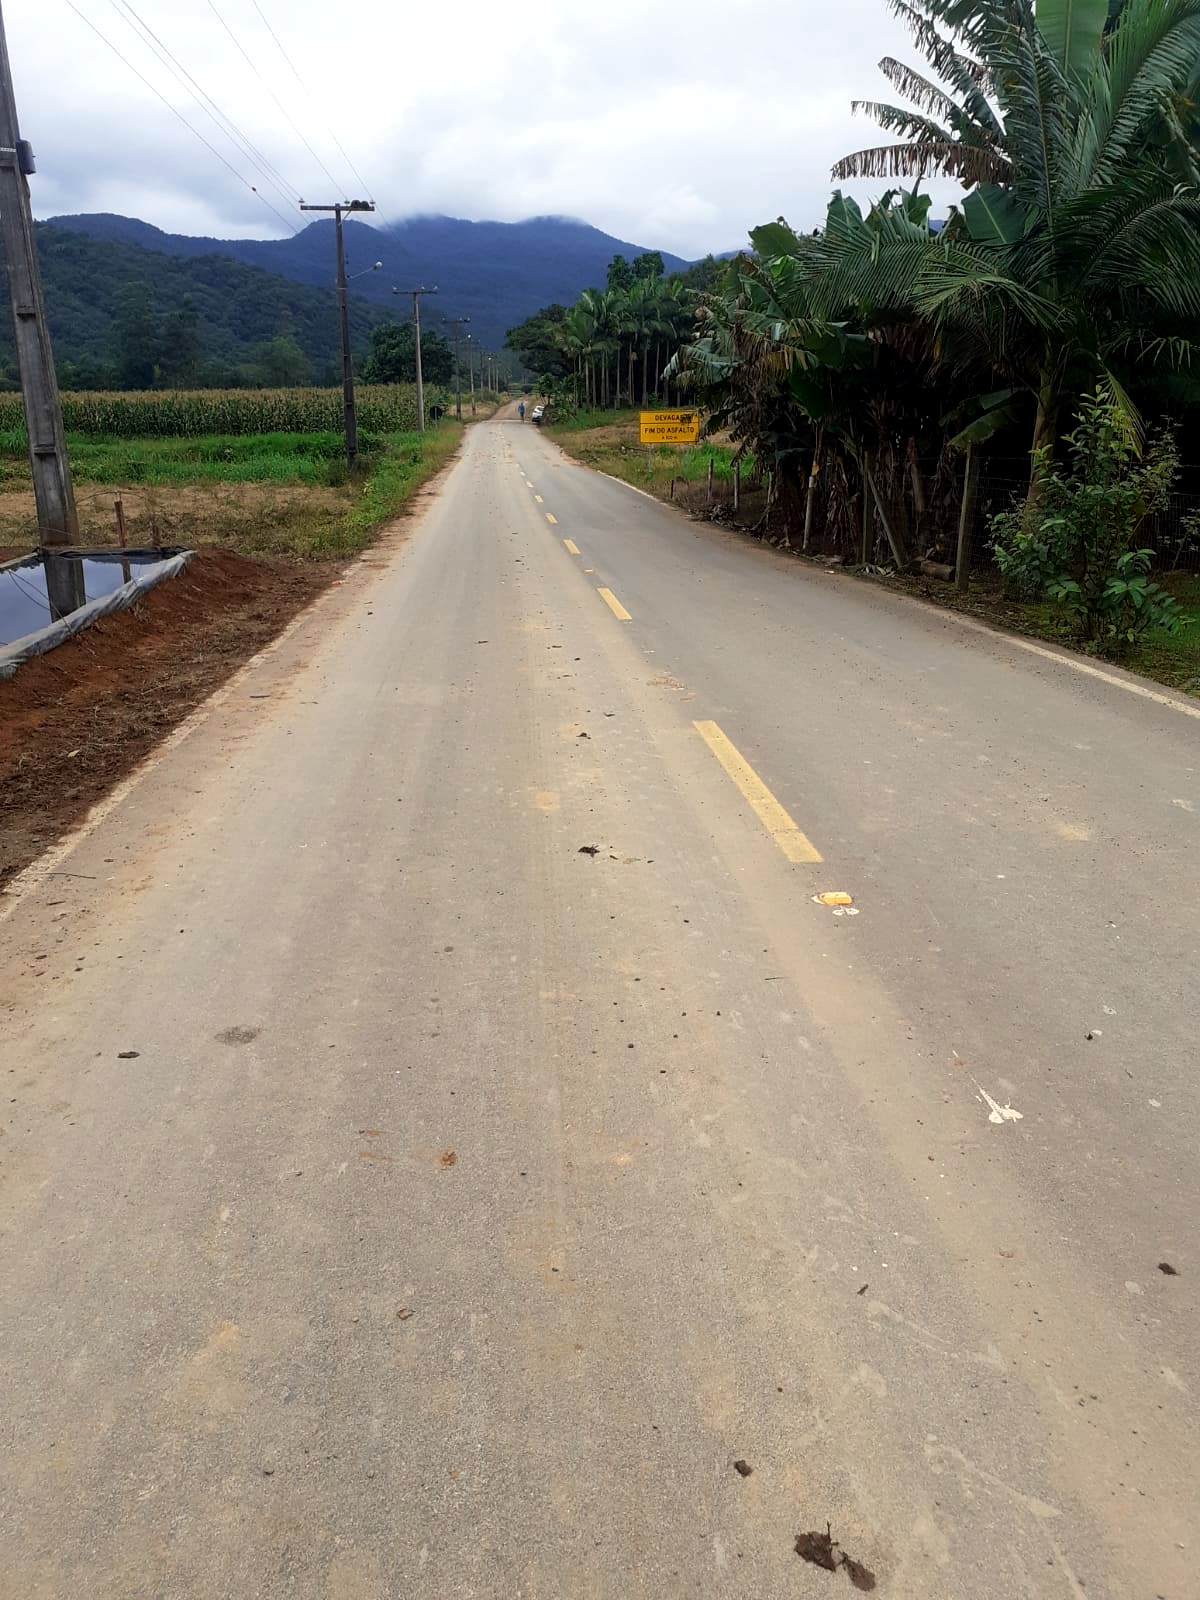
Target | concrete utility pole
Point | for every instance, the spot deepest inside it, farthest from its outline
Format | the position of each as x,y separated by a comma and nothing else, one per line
472,346
416,300
458,324
341,209
58,522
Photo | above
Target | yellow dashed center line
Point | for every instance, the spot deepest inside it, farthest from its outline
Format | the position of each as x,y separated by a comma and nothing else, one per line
550,517
614,605
538,498
796,846
572,547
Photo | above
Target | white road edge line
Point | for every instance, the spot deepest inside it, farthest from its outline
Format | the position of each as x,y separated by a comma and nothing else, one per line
1064,659
645,493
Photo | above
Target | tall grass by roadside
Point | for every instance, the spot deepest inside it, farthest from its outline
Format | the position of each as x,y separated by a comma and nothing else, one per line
410,460
313,458
179,413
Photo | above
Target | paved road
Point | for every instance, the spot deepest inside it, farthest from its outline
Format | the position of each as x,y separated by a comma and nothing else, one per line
398,1202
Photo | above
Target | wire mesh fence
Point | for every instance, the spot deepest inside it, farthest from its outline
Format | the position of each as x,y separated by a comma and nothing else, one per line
1173,533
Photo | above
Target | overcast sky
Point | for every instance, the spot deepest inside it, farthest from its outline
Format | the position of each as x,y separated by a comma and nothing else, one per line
678,126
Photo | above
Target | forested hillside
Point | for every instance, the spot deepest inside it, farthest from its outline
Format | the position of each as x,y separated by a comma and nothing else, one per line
495,273
203,319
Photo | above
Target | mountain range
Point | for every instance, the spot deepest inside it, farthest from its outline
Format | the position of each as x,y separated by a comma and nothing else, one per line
495,273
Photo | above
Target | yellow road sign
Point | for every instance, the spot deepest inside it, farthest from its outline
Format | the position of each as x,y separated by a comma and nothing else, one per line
670,427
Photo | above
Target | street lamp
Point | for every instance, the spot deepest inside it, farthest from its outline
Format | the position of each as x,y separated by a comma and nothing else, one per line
374,267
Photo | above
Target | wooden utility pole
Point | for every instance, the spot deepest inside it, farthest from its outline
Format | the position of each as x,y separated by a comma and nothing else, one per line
457,323
341,209
416,300
58,522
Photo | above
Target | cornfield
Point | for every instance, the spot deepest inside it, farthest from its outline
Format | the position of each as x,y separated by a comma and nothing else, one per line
187,414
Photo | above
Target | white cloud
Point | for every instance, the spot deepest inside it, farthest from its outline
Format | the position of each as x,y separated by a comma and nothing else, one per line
677,127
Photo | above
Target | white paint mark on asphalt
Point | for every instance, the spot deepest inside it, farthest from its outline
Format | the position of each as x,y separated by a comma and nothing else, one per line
1184,805
998,1113
943,1457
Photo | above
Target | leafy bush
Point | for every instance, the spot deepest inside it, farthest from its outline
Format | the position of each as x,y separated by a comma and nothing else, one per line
1072,540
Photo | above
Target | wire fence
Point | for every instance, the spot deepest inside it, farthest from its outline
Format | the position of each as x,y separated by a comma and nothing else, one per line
1172,533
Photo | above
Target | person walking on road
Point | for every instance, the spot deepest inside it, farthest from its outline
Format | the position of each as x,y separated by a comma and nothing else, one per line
521,411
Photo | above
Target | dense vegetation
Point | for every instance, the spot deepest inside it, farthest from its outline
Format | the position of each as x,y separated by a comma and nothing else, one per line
123,316
161,414
1056,310
393,357
614,344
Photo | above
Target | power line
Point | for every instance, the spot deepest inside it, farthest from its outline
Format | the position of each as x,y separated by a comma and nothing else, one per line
363,184
294,126
224,123
175,111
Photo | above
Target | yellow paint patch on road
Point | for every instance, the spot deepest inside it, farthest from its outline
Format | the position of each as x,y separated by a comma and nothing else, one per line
572,547
796,846
589,569
551,518
538,498
614,605
546,800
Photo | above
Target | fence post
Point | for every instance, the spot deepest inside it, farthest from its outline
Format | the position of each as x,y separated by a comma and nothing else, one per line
812,489
710,476
737,486
966,521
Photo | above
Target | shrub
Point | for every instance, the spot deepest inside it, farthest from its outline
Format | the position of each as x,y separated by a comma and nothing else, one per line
1073,539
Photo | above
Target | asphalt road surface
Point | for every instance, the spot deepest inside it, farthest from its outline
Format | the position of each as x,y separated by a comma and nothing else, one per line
398,1202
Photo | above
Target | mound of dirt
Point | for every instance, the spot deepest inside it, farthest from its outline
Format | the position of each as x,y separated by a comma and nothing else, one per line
73,722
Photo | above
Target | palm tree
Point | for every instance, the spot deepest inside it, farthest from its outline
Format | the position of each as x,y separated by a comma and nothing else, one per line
1076,265
578,332
950,126
646,322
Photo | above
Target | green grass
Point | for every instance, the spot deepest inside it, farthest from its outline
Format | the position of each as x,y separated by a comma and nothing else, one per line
586,419
262,494
1173,658
313,458
409,460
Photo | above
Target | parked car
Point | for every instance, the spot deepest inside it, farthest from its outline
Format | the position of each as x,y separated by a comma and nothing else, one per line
539,414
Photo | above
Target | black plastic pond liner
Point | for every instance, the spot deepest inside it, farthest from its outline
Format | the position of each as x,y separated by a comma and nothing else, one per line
49,597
